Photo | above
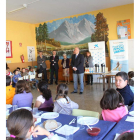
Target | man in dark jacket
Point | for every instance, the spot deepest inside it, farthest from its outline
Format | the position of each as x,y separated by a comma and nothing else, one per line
42,65
77,64
54,67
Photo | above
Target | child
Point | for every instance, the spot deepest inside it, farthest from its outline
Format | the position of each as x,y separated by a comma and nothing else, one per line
15,77
23,96
10,91
131,80
24,73
8,72
113,106
128,135
18,68
62,103
31,72
121,82
45,98
20,125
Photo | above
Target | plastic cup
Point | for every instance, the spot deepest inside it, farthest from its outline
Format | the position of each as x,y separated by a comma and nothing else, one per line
68,134
80,122
15,107
35,110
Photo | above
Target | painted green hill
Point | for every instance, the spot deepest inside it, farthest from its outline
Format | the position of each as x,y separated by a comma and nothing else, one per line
65,43
86,40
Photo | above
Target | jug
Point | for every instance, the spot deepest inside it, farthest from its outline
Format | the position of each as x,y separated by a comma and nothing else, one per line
96,67
102,67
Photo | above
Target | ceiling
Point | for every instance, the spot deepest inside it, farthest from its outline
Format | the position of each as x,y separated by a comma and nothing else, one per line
45,10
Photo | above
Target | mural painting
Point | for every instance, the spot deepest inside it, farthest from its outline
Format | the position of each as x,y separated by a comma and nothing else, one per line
65,34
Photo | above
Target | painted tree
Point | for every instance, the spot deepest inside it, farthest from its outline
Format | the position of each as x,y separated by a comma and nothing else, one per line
101,29
37,34
40,31
45,33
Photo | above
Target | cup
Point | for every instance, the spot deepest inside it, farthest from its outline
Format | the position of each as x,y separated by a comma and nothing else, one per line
15,107
80,122
35,110
68,134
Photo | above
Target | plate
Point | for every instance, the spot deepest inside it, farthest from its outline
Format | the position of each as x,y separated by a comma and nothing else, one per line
8,106
88,120
131,113
49,115
58,124
28,108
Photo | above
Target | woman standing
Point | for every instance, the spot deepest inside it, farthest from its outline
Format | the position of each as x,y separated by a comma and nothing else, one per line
88,61
65,64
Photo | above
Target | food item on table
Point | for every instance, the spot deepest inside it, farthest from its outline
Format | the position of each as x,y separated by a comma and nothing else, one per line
50,124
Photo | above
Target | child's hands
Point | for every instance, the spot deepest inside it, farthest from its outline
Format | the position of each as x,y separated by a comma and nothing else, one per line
40,131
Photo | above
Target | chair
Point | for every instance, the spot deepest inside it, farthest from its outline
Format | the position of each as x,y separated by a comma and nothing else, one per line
32,82
26,77
39,76
80,112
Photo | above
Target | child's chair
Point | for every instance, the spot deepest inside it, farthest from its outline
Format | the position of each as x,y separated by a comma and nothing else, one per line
87,113
32,82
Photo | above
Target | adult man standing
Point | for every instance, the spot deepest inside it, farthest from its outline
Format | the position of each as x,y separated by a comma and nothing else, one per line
54,67
42,65
77,64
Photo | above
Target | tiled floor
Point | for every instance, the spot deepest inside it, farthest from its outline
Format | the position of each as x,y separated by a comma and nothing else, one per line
89,100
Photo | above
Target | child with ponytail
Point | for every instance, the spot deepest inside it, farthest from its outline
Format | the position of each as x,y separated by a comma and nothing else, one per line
62,103
20,125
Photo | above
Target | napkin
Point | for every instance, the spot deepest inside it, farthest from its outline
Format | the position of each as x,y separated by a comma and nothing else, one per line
65,127
56,137
130,119
116,136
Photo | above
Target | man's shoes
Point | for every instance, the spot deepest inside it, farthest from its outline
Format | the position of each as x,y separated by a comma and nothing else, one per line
81,93
56,83
87,83
73,92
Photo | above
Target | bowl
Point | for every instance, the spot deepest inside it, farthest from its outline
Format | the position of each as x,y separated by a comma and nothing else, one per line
94,132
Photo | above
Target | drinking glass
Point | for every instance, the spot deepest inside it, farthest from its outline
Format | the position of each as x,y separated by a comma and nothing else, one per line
81,120
35,110
15,107
68,134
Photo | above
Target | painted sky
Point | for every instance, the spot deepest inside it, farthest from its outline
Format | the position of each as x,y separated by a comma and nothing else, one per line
55,24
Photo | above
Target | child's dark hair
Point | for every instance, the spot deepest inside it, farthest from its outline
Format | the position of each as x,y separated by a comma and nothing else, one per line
21,86
131,82
62,90
18,124
123,75
131,74
15,71
8,80
111,99
126,136
43,88
30,68
7,68
18,68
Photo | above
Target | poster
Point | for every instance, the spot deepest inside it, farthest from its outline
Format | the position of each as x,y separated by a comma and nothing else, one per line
123,29
31,53
119,55
97,50
8,49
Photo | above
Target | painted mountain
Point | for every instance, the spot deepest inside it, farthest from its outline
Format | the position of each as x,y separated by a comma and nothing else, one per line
73,33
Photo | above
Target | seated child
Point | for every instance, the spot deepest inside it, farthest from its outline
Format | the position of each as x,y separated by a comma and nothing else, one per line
8,72
44,100
15,77
31,72
113,106
19,72
121,82
62,103
20,125
24,73
10,91
128,135
23,96
131,80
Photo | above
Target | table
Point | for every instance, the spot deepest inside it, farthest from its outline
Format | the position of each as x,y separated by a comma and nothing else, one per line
105,126
104,75
121,127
